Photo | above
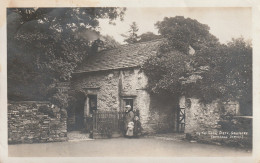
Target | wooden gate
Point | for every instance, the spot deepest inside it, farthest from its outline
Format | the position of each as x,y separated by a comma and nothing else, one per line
107,124
180,119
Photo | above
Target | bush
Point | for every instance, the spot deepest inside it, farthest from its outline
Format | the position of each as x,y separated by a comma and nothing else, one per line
106,130
47,110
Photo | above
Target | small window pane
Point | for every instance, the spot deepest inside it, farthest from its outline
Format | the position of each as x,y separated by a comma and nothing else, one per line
128,102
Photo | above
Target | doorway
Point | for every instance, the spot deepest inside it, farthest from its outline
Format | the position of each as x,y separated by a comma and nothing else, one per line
76,112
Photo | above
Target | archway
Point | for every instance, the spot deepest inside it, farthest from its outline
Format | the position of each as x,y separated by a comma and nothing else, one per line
76,112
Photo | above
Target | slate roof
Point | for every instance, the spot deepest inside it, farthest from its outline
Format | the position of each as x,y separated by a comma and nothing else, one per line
125,56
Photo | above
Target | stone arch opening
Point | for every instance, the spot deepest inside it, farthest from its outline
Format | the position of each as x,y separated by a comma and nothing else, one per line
76,112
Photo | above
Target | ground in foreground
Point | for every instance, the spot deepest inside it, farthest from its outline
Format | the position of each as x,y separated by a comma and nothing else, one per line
123,147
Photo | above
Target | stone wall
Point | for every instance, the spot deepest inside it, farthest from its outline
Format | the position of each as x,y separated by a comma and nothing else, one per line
204,117
36,122
200,117
217,123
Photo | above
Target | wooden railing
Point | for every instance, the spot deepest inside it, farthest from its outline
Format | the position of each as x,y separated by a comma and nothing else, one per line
107,124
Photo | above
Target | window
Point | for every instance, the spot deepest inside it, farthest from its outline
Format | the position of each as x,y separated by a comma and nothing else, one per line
92,103
128,102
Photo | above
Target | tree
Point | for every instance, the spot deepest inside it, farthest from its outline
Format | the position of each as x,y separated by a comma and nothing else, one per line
230,74
132,36
172,59
216,71
102,43
46,44
184,32
164,71
240,77
148,36
233,65
109,42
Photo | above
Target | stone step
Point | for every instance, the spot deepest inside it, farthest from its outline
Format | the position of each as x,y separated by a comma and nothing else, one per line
78,136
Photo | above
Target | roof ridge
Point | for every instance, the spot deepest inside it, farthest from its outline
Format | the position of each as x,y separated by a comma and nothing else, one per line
154,40
130,45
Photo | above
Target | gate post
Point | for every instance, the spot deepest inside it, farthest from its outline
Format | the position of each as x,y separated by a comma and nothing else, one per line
178,118
94,124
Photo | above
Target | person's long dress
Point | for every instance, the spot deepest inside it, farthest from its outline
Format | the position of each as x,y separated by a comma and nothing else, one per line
129,117
130,129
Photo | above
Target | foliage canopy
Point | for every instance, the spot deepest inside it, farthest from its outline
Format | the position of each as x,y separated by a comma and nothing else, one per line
184,32
215,71
148,36
46,44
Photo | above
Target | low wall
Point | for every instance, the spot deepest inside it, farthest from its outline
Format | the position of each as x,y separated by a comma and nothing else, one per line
36,122
200,117
217,123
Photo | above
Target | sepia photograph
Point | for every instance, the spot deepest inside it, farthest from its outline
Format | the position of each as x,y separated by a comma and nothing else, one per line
129,81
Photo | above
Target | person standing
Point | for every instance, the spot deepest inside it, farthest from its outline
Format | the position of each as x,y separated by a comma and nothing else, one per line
137,123
136,112
129,117
137,127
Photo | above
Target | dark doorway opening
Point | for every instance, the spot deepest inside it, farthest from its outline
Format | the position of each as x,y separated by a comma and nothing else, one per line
79,116
76,114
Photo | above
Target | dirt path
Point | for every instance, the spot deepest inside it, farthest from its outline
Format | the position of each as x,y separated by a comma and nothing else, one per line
146,147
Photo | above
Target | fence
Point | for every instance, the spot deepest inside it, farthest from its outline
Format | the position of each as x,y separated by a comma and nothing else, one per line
107,124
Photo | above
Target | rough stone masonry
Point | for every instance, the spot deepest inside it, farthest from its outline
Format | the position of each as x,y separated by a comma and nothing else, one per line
36,122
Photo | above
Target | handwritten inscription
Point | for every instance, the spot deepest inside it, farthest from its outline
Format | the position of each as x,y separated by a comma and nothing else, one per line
224,134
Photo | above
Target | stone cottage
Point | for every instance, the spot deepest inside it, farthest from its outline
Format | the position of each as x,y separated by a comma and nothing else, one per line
112,79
